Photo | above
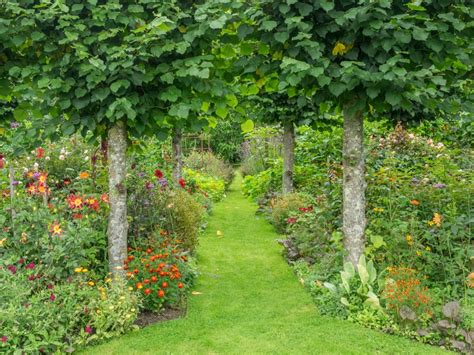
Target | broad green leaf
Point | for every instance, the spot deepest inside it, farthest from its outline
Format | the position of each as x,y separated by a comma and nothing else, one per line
247,126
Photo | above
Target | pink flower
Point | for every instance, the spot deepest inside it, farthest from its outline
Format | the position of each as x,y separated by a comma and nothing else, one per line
21,261
88,329
52,298
31,277
50,286
30,266
12,269
291,220
4,339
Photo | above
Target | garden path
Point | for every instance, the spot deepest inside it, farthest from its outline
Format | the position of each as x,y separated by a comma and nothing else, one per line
248,301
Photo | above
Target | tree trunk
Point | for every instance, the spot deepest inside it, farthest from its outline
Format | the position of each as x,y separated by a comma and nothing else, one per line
118,223
288,157
353,213
177,156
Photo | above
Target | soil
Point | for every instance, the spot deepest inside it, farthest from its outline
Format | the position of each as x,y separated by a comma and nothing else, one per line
147,318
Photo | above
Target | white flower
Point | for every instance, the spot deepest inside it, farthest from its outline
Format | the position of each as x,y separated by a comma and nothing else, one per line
62,157
47,158
411,136
86,159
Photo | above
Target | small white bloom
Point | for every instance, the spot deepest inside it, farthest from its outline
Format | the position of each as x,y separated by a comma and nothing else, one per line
62,157
47,158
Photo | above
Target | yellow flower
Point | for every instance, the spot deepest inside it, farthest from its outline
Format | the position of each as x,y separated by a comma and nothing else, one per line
409,239
108,279
418,253
91,283
378,209
437,219
122,297
428,249
78,269
111,308
130,288
341,48
85,270
3,242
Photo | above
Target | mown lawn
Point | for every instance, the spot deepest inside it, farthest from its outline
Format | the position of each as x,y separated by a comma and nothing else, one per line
250,302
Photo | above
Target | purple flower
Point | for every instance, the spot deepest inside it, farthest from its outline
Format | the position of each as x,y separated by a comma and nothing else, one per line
163,182
15,183
36,175
141,174
14,125
149,185
414,180
439,186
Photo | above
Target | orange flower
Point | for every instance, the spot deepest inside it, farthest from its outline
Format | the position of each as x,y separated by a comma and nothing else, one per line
470,280
415,202
43,177
55,229
84,175
437,219
139,285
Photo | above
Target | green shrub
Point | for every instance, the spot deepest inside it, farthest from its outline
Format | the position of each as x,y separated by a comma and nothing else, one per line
185,215
284,210
209,164
210,186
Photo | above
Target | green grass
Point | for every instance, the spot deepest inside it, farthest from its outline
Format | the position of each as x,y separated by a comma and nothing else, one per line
251,302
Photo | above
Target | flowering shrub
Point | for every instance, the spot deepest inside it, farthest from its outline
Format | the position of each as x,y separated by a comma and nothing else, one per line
404,289
41,315
161,275
210,186
284,211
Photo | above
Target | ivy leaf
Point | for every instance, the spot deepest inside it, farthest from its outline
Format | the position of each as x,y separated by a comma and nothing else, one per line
393,98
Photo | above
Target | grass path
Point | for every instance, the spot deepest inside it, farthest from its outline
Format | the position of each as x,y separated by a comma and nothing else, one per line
251,302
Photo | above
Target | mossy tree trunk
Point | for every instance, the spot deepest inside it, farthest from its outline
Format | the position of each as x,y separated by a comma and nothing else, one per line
354,221
288,157
118,224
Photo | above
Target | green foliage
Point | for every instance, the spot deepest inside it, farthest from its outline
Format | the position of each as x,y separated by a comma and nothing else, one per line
95,64
283,210
185,218
210,186
226,140
209,164
364,56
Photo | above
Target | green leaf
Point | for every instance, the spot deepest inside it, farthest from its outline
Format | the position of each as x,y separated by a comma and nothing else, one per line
119,84
281,37
180,110
326,5
218,23
205,106
232,100
373,92
393,98
247,126
222,111
268,25
337,88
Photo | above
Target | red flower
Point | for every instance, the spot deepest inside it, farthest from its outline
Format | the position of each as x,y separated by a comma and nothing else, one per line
88,329
52,298
180,285
104,198
291,220
75,201
21,261
77,216
158,173
4,339
161,293
30,266
40,153
182,183
147,291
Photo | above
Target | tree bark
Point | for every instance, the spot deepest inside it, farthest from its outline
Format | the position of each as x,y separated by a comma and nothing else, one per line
118,223
288,157
177,156
353,213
